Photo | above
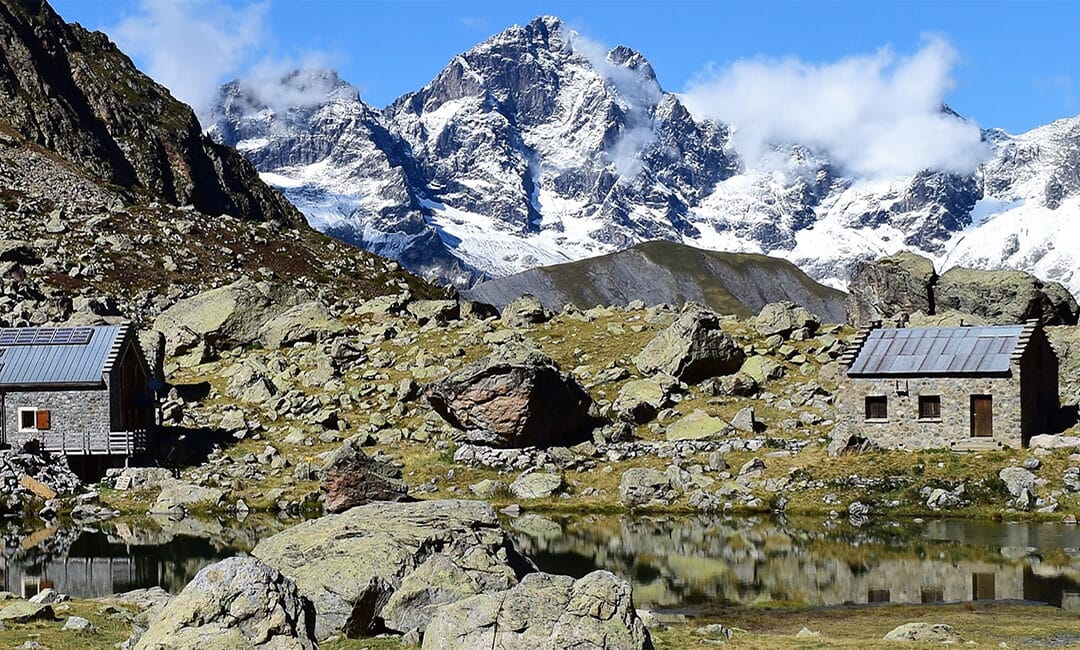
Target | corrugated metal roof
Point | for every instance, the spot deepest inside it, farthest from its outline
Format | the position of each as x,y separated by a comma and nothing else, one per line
55,363
937,351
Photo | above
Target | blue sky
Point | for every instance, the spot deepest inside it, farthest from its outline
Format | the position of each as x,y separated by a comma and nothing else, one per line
1014,65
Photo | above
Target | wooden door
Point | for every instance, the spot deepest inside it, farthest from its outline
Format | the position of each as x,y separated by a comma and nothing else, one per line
982,586
982,416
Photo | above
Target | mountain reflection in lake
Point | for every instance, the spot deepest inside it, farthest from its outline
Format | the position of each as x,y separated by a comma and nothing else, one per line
120,557
676,562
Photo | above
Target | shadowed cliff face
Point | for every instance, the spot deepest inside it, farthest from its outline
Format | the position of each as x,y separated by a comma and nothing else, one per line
73,92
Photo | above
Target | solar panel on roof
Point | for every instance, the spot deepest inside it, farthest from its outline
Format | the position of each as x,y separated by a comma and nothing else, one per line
46,336
968,350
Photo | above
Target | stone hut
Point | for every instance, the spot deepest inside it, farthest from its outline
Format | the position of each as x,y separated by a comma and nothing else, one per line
77,391
965,388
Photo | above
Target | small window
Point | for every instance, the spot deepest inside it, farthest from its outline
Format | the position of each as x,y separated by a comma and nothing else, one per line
933,595
877,407
929,407
27,419
31,420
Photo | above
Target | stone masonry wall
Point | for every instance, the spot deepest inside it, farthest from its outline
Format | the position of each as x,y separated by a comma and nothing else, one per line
904,430
73,413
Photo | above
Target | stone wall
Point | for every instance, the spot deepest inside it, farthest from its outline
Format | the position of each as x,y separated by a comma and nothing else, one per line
903,429
73,415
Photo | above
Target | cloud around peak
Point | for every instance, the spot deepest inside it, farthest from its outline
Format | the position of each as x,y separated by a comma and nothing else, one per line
877,115
193,47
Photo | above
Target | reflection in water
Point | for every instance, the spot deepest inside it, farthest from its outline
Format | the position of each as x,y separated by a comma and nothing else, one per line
680,561
118,558
674,562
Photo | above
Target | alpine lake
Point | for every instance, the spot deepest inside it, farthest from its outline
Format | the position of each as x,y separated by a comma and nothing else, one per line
680,566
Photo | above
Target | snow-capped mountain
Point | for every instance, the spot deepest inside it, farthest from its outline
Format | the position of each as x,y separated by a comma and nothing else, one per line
538,147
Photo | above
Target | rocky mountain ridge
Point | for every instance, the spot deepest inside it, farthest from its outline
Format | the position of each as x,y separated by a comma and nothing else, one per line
114,205
536,147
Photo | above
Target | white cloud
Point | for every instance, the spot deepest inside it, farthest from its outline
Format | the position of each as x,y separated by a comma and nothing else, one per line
292,82
877,115
192,46
639,94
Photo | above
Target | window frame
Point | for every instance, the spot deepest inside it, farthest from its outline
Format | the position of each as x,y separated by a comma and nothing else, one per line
23,411
35,415
883,401
927,400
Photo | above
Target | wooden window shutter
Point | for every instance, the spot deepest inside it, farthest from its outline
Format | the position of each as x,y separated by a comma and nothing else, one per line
43,420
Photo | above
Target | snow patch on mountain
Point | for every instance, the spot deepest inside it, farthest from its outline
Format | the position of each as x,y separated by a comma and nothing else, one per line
539,146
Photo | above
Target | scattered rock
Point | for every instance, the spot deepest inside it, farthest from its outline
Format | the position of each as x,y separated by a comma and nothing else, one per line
745,421
79,624
226,317
1004,297
434,311
236,603
349,564
513,399
783,318
544,611
487,488
698,425
352,478
536,485
524,311
639,401
924,633
1017,480
692,348
714,631
24,611
641,486
177,496
898,284
309,321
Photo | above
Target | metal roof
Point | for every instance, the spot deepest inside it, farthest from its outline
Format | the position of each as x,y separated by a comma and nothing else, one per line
937,351
56,357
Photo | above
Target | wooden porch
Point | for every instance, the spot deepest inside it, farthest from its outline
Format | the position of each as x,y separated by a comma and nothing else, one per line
118,443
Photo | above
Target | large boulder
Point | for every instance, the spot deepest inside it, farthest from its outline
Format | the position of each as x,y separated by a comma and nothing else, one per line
698,425
544,612
783,318
524,311
513,399
1004,297
352,478
237,603
434,311
880,290
223,318
309,321
639,401
176,497
536,485
351,564
1017,480
692,348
